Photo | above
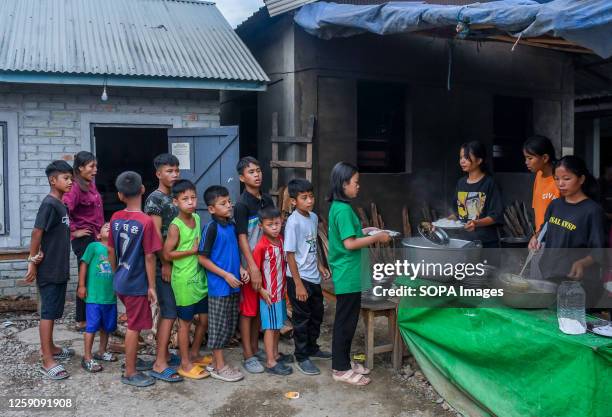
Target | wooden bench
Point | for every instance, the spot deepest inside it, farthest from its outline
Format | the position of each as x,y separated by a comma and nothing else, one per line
369,311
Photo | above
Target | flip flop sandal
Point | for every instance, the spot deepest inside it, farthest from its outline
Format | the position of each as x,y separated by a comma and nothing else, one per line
105,357
227,374
139,380
56,372
174,360
204,361
64,354
167,375
360,369
141,365
91,366
196,372
351,377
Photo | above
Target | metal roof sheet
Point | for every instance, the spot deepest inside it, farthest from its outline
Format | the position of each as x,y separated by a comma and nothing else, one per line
149,38
276,7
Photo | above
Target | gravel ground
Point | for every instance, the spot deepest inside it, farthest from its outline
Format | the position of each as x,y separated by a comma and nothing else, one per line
405,393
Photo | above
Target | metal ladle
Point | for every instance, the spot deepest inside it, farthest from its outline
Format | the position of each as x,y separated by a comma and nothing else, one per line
532,251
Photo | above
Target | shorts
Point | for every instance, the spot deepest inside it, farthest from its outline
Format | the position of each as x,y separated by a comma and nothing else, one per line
223,314
138,310
101,316
272,316
249,301
52,300
165,298
187,312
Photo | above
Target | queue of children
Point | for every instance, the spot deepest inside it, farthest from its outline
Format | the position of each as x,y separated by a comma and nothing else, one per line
235,271
226,274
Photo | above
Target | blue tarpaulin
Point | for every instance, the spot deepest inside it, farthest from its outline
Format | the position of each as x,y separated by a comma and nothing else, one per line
587,23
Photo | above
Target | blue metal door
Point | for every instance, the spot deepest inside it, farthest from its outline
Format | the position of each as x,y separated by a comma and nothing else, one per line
208,156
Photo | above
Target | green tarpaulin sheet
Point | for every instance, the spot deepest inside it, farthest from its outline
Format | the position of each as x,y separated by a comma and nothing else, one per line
513,363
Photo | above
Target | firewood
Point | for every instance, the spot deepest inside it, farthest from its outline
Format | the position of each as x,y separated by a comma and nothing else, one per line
406,222
515,222
374,213
510,225
363,217
11,304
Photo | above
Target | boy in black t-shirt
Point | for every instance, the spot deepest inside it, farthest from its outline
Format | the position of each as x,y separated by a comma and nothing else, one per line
49,265
249,233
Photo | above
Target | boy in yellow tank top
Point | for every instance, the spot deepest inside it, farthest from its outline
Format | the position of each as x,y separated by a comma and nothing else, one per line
188,279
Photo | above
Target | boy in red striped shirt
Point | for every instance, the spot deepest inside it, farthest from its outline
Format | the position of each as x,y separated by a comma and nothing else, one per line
269,256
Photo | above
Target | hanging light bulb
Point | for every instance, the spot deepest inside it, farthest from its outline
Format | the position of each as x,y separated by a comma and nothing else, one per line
104,95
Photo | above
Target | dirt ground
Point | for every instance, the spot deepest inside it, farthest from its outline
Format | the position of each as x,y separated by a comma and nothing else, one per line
102,394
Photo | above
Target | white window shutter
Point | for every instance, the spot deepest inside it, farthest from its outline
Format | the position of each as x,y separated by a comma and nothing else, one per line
2,181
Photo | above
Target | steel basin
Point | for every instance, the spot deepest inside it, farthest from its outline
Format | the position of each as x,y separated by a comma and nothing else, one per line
417,249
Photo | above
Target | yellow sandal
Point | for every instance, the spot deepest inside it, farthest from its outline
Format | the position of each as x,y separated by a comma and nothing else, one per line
205,361
196,372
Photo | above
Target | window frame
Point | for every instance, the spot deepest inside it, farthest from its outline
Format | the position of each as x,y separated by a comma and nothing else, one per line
12,236
407,118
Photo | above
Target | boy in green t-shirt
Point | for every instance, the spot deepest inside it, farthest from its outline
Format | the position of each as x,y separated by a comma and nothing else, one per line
188,280
96,289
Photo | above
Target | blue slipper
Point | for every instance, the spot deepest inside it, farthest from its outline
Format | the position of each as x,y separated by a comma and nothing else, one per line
166,375
174,361
141,365
280,369
139,380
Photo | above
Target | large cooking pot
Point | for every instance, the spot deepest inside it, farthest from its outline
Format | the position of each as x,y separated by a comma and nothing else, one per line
457,251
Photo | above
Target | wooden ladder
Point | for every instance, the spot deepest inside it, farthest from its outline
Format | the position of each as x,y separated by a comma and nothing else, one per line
276,164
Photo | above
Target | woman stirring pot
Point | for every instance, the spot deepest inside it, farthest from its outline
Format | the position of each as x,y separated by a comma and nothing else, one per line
86,213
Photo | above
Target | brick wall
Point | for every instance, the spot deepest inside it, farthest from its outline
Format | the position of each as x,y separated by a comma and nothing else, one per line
49,127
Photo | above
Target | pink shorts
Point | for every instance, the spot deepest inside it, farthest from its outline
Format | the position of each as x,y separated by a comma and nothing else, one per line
249,301
138,310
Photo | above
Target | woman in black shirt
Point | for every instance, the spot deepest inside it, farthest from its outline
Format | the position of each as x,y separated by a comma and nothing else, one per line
576,222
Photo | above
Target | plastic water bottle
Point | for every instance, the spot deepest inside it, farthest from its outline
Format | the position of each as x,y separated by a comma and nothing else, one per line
571,308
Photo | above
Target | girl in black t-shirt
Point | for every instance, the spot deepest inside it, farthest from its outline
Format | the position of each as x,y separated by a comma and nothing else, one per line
477,200
576,222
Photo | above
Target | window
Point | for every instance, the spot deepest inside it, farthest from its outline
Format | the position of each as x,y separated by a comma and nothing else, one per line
381,127
512,125
10,215
3,176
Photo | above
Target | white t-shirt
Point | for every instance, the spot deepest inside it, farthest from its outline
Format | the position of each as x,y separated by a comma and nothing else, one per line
301,239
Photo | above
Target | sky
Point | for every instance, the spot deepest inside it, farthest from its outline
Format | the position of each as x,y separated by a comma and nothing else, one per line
237,11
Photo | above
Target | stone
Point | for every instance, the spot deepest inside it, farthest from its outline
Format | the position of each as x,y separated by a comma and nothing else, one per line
60,334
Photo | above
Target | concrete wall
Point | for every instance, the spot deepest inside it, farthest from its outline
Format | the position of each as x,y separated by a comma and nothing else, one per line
49,126
326,76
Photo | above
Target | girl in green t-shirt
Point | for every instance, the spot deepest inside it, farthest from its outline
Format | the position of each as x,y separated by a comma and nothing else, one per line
346,238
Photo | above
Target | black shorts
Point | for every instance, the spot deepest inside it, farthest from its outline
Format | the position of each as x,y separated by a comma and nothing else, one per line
52,298
165,298
187,312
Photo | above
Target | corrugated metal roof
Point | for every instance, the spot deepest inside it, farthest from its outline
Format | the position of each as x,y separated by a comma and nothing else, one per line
276,7
157,38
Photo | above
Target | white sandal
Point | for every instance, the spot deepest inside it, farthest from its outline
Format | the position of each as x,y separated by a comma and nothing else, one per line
351,377
360,369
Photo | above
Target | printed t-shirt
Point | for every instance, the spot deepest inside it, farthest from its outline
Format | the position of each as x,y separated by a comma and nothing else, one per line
301,238
99,275
132,236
